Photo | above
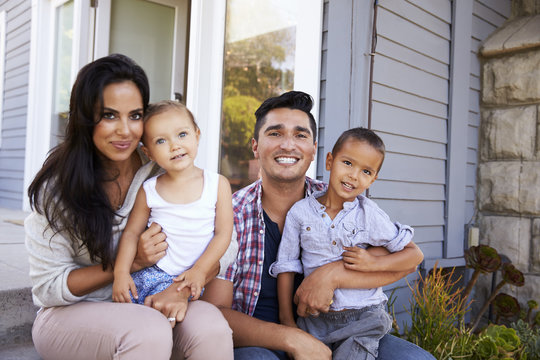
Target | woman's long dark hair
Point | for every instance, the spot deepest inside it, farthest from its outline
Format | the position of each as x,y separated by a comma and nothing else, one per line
68,190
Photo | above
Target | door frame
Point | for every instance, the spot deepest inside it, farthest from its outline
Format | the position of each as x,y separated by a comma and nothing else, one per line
204,76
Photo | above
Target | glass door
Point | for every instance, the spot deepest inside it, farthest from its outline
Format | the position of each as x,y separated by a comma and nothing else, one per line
153,33
271,46
63,59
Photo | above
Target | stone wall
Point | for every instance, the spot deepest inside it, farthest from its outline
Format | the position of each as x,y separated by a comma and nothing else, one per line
508,195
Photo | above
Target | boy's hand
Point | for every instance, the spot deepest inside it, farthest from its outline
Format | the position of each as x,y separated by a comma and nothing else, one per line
192,278
122,285
359,259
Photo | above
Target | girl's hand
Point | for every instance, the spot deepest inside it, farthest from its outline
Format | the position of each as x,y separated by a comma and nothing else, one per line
359,259
122,285
169,302
193,279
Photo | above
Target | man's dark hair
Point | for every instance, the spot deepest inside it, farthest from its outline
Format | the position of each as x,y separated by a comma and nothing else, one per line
360,134
294,100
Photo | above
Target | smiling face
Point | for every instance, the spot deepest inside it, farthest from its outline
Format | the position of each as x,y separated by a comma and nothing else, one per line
352,169
171,140
285,147
119,128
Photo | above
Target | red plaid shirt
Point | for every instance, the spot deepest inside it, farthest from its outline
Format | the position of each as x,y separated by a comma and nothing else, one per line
246,272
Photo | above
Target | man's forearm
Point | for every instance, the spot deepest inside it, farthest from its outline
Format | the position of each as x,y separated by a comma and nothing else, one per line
316,291
344,278
250,331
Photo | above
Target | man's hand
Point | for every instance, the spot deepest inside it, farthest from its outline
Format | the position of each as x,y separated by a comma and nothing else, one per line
315,293
359,259
307,347
193,279
171,303
150,248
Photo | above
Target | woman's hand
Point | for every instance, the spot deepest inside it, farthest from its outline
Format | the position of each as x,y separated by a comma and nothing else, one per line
170,302
193,279
150,248
122,285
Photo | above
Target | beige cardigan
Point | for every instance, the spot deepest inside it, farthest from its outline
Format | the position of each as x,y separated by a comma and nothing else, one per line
53,257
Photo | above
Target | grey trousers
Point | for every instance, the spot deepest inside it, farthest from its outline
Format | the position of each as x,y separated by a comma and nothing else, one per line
106,330
351,334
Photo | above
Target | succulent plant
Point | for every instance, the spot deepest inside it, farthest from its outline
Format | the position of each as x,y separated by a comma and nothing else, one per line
483,259
498,342
512,276
505,306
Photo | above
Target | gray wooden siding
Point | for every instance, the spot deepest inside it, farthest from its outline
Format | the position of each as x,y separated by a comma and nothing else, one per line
12,152
488,15
410,113
322,96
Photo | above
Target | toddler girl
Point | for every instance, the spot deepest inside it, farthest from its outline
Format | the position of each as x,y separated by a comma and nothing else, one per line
193,207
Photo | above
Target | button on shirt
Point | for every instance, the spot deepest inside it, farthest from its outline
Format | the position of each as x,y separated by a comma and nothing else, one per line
312,239
246,271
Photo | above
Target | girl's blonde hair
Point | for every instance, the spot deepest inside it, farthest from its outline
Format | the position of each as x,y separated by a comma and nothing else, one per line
166,105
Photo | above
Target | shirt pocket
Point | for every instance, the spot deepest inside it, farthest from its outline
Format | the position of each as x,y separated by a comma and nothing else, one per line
312,238
354,235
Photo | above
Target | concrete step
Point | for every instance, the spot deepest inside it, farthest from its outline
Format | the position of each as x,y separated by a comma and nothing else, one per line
24,351
17,314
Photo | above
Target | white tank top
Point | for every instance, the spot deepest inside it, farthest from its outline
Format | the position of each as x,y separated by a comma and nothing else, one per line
189,227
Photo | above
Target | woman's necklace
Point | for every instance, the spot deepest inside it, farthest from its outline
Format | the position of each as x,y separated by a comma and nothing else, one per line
118,188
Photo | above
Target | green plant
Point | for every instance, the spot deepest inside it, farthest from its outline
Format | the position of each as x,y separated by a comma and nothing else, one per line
533,305
483,259
510,275
498,342
437,313
530,338
505,306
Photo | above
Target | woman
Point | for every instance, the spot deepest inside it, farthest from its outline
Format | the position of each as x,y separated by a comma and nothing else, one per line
81,200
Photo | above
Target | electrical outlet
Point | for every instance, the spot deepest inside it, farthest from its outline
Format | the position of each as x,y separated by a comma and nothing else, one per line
474,235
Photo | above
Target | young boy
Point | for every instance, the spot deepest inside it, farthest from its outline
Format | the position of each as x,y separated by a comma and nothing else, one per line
318,229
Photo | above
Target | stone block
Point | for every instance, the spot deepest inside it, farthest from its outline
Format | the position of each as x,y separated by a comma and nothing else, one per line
535,246
498,186
538,132
512,79
517,34
529,188
510,236
508,133
529,291
525,7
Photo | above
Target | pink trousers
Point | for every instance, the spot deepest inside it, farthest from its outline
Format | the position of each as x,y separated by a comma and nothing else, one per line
105,330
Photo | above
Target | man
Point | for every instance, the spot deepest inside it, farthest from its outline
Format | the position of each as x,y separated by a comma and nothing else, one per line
284,143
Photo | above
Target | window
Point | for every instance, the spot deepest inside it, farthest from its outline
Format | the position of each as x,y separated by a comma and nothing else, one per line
263,58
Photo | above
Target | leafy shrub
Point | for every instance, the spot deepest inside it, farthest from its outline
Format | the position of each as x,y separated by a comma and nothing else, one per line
530,338
437,313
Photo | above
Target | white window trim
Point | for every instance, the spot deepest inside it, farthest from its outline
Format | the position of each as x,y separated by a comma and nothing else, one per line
205,71
40,79
2,67
457,127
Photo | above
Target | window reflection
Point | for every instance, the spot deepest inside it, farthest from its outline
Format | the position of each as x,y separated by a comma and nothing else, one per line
62,70
260,42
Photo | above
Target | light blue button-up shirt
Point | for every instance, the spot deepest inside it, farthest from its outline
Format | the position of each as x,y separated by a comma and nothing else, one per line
312,239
